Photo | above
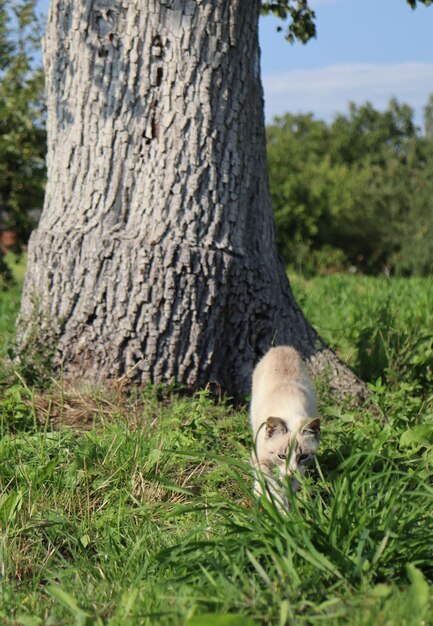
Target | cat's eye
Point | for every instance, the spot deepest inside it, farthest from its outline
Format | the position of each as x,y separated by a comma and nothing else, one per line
283,457
302,458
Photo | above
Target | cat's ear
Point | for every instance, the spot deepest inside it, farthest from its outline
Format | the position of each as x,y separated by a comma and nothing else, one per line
275,425
313,427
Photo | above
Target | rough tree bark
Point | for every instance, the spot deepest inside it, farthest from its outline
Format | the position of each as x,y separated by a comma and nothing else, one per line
156,245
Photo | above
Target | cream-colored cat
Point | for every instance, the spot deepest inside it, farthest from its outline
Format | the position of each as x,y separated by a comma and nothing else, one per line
283,418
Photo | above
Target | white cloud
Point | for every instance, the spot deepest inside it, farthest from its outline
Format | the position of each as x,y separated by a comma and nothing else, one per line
327,90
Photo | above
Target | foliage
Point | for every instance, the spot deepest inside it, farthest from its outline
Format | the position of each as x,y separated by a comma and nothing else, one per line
148,517
22,120
356,192
413,3
302,26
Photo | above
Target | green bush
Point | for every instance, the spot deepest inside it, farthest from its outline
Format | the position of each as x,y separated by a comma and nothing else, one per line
357,190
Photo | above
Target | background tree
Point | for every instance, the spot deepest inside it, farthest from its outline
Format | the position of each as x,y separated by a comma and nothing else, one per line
353,192
22,122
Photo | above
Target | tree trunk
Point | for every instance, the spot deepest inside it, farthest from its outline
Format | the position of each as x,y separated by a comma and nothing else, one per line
156,247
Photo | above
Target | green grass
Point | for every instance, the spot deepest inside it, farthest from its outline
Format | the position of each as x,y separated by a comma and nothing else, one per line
148,517
380,326
9,307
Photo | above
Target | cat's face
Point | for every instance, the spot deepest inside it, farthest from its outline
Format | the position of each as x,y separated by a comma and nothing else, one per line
291,451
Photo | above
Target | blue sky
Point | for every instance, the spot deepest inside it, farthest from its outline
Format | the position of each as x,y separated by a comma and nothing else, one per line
365,50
